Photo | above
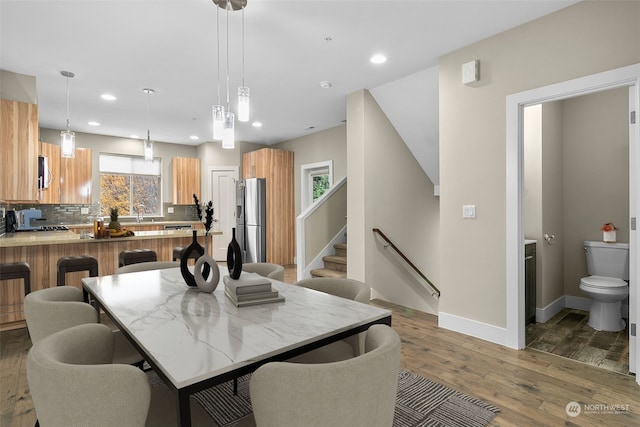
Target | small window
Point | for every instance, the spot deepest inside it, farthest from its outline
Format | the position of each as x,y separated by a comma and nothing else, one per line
131,185
321,183
316,179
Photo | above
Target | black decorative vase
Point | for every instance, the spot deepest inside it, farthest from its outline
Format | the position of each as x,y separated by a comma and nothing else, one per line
193,248
234,257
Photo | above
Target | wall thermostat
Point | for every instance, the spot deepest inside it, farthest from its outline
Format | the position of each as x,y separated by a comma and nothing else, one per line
471,72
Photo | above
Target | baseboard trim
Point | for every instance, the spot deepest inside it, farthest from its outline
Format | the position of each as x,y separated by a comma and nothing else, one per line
573,302
484,331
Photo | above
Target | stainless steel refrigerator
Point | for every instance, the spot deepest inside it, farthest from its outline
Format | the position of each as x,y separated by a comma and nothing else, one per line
251,215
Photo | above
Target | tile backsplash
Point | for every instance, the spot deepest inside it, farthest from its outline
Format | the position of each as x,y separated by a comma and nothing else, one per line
70,214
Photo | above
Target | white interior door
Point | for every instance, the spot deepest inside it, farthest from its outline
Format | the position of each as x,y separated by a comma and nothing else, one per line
223,194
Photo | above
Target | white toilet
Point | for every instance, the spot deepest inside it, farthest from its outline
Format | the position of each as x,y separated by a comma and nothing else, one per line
607,284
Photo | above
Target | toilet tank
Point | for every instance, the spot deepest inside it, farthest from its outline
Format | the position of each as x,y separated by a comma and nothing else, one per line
607,259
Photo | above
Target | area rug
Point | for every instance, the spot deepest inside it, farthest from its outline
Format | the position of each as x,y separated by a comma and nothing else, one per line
420,403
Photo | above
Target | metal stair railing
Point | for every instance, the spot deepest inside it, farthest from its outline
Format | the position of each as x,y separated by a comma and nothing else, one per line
434,290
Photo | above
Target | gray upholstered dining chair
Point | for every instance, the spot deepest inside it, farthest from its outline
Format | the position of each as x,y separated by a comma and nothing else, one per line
265,269
145,266
53,309
350,346
74,384
360,391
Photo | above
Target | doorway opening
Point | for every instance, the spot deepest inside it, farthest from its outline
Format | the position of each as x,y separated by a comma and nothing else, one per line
622,77
222,184
576,178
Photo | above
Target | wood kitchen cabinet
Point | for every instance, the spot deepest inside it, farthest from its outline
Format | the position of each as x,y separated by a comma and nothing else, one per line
51,194
75,178
186,180
277,167
19,148
69,178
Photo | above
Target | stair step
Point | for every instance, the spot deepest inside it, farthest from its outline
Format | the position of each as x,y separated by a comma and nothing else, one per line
325,272
340,249
333,262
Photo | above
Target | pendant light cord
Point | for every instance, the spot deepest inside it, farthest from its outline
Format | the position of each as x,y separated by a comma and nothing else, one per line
243,46
218,48
148,115
227,59
68,115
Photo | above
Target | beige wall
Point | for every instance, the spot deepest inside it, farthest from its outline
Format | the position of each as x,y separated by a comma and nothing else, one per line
18,87
116,145
212,154
543,193
595,175
550,258
330,144
389,190
583,39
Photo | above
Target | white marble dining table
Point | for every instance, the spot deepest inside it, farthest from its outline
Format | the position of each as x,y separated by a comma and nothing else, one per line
196,340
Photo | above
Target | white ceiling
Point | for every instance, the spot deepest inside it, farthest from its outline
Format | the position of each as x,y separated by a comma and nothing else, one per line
121,47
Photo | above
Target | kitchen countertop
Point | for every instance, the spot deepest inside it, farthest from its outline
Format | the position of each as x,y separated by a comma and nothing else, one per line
133,224
39,238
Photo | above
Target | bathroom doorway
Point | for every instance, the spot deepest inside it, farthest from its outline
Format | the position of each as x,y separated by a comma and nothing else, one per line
626,77
576,178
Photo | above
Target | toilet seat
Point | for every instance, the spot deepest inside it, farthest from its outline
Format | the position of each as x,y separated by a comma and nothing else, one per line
602,282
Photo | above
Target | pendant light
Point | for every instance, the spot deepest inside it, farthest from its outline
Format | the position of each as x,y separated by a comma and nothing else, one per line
67,137
243,91
218,109
148,143
219,112
228,131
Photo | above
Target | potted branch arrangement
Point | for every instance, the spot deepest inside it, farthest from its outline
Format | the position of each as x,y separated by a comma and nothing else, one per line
206,273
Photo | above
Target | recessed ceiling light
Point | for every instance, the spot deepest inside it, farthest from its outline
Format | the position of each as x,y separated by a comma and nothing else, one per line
108,97
378,59
134,136
325,84
93,123
256,124
194,137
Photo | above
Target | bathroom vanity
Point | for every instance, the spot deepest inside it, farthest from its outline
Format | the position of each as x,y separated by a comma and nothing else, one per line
530,281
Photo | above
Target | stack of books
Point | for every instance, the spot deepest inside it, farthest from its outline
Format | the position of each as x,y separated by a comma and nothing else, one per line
250,289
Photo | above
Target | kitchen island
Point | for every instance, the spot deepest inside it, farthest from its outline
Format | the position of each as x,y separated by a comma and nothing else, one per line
42,250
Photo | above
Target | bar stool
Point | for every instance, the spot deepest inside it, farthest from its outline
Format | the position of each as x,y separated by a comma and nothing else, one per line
135,256
177,253
17,270
72,264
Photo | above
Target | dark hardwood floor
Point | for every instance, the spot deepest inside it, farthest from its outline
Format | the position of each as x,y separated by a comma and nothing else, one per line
532,388
567,334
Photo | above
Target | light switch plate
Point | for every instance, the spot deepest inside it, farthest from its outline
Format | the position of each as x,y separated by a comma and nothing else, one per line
469,211
84,211
170,209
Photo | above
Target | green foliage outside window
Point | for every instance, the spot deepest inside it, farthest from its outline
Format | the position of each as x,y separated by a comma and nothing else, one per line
320,185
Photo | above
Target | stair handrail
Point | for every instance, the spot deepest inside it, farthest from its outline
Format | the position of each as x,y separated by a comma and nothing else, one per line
434,288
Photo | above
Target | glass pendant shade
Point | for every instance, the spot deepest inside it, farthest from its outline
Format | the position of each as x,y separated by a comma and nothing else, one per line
243,104
218,122
228,137
148,151
67,144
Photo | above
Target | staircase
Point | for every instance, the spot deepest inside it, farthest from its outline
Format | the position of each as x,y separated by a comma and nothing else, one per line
334,265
